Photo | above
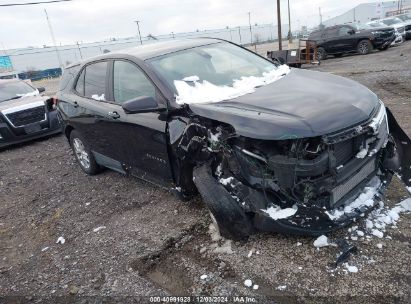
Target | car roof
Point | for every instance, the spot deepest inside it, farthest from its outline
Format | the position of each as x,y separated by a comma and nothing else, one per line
156,49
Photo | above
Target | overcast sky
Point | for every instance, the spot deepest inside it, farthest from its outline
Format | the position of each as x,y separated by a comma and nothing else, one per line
96,20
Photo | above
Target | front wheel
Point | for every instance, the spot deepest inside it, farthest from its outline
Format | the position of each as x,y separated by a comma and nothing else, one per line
321,53
364,47
83,155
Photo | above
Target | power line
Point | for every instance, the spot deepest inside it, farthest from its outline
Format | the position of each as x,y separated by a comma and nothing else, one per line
34,3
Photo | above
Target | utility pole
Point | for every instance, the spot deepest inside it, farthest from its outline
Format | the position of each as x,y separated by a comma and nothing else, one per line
239,34
54,40
249,23
79,50
280,43
138,27
321,17
290,35
231,35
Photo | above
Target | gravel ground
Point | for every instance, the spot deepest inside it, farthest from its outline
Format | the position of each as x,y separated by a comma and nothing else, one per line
125,238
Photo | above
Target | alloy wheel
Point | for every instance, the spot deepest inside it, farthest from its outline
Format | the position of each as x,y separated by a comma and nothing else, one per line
81,153
363,48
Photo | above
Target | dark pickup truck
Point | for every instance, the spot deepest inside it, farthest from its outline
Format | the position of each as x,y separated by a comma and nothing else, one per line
356,38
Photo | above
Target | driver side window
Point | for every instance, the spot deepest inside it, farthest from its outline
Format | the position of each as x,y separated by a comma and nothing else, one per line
344,31
130,82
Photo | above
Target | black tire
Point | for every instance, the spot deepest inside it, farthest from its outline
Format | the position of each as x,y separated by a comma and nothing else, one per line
230,219
92,168
338,55
364,47
321,53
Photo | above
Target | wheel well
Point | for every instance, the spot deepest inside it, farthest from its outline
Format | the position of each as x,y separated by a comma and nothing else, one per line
363,39
67,131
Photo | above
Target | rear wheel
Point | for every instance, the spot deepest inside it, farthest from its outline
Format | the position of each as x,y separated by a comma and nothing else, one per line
83,154
364,47
321,53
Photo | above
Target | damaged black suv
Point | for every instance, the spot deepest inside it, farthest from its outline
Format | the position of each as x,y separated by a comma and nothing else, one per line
267,147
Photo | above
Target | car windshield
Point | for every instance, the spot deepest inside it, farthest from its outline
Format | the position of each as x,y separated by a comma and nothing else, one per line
219,63
216,72
392,21
376,24
14,90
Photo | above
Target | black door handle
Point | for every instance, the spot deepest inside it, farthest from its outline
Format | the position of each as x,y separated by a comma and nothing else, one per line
114,115
75,104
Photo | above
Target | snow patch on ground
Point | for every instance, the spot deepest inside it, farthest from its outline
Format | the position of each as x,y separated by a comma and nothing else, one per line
226,181
99,228
203,277
60,240
190,90
353,269
282,287
321,241
248,283
275,212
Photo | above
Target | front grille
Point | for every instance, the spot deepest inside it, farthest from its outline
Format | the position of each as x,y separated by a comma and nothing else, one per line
340,191
387,34
26,117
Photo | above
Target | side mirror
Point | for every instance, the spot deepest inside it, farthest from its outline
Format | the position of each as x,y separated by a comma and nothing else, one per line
143,104
41,90
351,32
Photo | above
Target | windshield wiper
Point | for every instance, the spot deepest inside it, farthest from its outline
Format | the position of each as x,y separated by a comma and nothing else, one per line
15,97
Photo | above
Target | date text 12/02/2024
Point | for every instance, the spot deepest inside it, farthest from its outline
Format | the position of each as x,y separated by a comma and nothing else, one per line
203,299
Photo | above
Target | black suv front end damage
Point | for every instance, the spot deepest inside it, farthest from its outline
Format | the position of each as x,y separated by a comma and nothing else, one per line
305,186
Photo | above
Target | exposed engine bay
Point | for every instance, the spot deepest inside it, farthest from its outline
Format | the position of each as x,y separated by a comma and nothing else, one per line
291,185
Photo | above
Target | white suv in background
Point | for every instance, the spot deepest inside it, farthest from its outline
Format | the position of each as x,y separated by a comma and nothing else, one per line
378,24
406,19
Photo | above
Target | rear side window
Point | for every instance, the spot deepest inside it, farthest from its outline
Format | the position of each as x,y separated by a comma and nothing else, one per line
80,83
68,75
130,82
92,81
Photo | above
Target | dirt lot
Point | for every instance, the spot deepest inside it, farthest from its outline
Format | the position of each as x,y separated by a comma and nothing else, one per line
125,238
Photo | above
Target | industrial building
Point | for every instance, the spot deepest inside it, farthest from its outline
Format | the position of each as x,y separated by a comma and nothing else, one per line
367,12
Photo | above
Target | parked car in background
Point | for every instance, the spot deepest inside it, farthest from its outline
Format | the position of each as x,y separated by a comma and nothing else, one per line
341,39
395,23
406,19
378,24
24,113
268,147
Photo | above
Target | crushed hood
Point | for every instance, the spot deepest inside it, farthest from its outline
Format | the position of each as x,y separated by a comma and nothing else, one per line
302,104
15,103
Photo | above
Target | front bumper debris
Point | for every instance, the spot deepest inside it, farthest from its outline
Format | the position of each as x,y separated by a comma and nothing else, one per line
361,183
